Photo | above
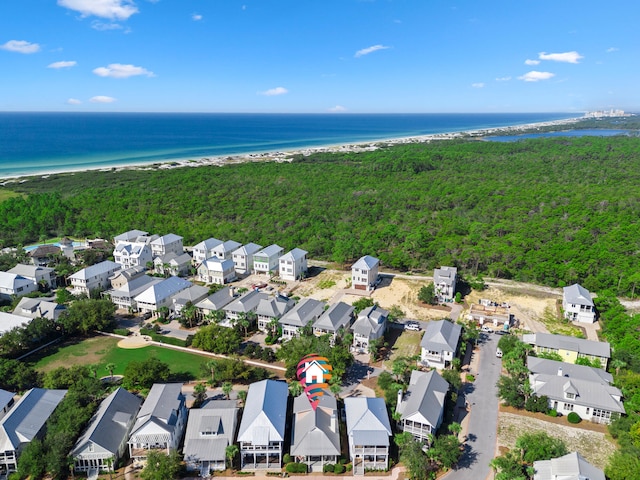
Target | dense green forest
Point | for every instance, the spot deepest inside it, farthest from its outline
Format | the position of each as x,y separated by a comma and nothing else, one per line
552,211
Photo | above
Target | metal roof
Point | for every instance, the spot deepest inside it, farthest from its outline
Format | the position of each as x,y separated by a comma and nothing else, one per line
130,235
210,430
367,421
98,269
207,245
270,251
577,294
247,303
136,286
304,312
336,316
573,344
274,307
217,300
571,466
248,249
9,321
425,397
228,246
265,413
5,398
160,291
166,239
216,264
441,335
446,275
366,263
293,255
38,307
315,432
29,271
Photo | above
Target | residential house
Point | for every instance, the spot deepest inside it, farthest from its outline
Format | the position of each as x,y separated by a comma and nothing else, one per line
243,257
104,441
364,273
160,421
9,321
192,295
272,308
262,429
571,466
159,295
216,301
129,236
293,264
173,264
43,255
26,422
215,270
204,250
122,277
38,308
170,243
224,251
305,312
266,260
368,431
124,296
421,407
577,304
210,430
370,325
440,343
243,305
133,254
95,277
315,436
12,285
41,275
570,349
6,402
444,283
338,316
586,391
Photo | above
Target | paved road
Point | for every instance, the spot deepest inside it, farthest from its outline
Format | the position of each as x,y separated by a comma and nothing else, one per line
483,416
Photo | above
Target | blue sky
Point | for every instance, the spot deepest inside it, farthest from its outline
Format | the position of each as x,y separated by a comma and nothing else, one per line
359,56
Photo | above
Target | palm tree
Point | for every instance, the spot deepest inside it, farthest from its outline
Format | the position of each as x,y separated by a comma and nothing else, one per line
189,313
273,327
242,395
295,388
199,393
618,364
244,322
230,452
454,428
227,387
335,388
163,312
110,367
211,366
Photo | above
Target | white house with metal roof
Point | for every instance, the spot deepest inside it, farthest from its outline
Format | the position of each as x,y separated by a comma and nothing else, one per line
293,264
36,273
25,422
305,312
338,316
571,466
9,321
216,270
172,264
224,250
364,273
421,407
13,285
370,325
95,277
577,304
104,441
439,343
569,348
124,296
315,436
243,257
266,260
586,391
129,236
210,430
159,295
368,431
444,283
170,243
262,429
38,308
132,254
160,422
204,250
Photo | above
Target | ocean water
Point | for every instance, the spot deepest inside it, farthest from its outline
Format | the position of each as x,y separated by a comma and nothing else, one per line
35,143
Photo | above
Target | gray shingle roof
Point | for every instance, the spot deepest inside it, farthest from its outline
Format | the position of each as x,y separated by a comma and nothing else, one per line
336,316
315,432
217,300
293,255
577,294
441,335
270,251
228,246
108,427
136,286
367,421
166,239
304,312
29,271
193,294
370,320
265,413
248,249
446,275
129,236
38,307
367,263
274,307
580,345
425,397
27,417
207,245
246,303
163,403
219,419
571,466
551,367
97,269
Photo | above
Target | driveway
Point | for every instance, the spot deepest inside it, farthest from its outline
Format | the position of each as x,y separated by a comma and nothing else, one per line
483,413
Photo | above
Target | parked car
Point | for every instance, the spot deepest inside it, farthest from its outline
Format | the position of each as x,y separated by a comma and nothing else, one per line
487,328
498,353
413,326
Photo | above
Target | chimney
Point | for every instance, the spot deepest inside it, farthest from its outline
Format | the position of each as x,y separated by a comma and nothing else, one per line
399,396
333,422
560,372
231,291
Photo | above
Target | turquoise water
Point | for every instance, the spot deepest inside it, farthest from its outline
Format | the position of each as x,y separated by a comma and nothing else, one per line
33,143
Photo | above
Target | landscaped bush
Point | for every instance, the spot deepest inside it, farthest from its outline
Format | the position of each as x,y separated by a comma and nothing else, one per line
122,331
552,413
296,467
349,467
573,417
328,468
339,469
286,458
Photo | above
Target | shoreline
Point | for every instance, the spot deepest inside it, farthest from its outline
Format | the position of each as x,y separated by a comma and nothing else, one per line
287,155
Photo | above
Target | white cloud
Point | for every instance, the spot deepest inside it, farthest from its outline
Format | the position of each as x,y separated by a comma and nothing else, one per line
274,91
113,9
535,76
566,57
101,26
63,64
338,109
196,17
73,101
368,50
528,61
118,70
102,99
20,46
478,85
503,79
612,49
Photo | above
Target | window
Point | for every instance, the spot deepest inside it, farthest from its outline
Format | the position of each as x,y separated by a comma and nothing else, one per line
568,406
601,414
570,396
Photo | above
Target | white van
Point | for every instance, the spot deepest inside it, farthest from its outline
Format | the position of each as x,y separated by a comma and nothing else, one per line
498,353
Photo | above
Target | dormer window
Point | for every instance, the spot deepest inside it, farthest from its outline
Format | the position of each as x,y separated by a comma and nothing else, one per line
570,396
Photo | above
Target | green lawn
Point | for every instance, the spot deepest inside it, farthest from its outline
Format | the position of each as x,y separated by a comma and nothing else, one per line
403,343
103,350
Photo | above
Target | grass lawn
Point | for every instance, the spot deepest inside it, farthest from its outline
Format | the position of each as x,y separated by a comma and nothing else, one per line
403,343
560,326
103,350
6,194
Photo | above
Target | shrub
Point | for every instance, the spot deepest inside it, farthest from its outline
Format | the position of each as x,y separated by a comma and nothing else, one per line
286,458
573,417
552,413
339,469
296,467
349,467
121,331
328,468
